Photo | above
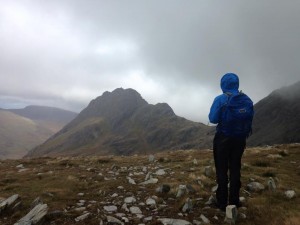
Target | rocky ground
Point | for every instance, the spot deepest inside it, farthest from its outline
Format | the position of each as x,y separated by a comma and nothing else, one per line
166,188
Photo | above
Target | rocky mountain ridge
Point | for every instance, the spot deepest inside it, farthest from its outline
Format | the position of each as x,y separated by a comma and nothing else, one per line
122,123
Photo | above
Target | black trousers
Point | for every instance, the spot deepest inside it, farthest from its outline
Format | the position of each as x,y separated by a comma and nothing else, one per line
228,153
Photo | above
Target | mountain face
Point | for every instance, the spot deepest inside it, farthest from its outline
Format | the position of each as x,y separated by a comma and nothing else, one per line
277,117
24,129
122,123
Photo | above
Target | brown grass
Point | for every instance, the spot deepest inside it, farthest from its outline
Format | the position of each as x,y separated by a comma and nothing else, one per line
61,179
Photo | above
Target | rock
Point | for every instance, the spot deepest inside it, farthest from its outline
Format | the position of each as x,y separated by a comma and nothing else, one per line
204,219
111,208
169,221
80,209
20,166
188,206
130,180
114,195
255,187
124,207
195,162
242,199
197,222
150,181
8,202
151,158
35,216
181,191
147,219
271,184
80,194
165,188
113,220
290,194
135,210
148,176
211,200
150,201
130,200
242,216
208,171
82,217
214,188
231,214
160,172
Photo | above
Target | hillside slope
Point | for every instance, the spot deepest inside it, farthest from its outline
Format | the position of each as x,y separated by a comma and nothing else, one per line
122,123
277,117
19,135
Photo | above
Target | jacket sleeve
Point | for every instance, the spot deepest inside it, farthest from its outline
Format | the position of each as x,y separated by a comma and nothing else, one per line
215,110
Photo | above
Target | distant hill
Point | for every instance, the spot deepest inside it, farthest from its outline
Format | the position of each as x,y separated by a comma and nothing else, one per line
122,123
23,129
277,117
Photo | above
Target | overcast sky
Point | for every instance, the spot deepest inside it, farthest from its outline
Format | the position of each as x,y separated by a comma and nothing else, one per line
65,53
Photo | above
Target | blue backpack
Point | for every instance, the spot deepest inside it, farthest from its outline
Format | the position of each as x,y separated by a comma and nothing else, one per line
237,115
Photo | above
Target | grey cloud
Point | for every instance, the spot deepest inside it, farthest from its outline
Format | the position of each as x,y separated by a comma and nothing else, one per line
180,49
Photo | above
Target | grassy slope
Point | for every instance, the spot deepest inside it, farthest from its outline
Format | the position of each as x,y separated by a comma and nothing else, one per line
70,176
19,134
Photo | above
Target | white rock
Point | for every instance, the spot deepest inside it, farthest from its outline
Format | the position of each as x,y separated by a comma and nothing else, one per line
150,181
82,217
255,187
124,207
204,219
151,158
35,215
111,208
130,200
231,213
290,194
181,191
114,195
150,201
160,172
130,180
135,210
111,219
8,202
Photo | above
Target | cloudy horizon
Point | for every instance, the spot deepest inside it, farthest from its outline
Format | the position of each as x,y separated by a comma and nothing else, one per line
66,53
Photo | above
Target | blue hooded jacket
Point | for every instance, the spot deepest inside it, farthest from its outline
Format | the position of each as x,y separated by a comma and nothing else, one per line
229,83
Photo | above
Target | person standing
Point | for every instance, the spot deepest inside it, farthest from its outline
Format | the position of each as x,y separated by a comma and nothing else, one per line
233,112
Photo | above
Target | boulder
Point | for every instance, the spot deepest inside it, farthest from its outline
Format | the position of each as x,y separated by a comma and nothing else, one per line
35,216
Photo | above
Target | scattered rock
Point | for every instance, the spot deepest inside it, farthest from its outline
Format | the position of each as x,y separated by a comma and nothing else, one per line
150,201
150,181
151,158
135,210
181,191
290,194
113,220
148,176
168,221
35,216
231,214
211,200
160,172
188,206
111,208
130,180
8,202
271,184
255,187
130,200
204,219
208,171
214,188
82,217
36,202
195,162
124,207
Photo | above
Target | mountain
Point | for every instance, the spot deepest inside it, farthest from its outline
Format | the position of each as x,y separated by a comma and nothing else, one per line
122,123
23,129
277,117
50,117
